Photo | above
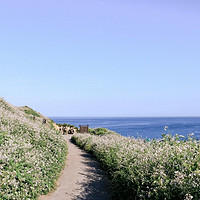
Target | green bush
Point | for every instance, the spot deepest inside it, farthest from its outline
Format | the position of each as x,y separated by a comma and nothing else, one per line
30,111
99,131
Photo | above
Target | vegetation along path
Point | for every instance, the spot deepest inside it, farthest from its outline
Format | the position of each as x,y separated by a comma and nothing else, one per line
81,179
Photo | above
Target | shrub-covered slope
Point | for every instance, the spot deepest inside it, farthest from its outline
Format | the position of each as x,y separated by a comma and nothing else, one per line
32,154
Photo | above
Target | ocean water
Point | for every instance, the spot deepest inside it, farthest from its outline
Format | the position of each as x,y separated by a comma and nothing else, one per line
145,127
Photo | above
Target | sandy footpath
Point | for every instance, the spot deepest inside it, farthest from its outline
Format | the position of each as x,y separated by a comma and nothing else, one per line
81,179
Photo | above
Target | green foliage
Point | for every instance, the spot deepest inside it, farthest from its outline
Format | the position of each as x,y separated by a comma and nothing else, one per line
30,111
5,105
32,155
67,125
99,131
155,170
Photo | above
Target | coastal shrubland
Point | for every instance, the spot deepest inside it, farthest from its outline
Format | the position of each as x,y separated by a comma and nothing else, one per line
168,168
32,154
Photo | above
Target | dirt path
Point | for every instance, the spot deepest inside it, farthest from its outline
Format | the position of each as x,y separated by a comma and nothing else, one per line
81,179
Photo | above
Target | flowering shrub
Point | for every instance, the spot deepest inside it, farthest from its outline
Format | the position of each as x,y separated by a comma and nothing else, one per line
140,169
32,154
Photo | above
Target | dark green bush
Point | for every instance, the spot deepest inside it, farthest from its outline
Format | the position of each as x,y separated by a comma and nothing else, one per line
99,131
30,111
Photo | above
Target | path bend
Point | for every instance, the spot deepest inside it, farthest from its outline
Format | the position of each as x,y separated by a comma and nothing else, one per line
81,179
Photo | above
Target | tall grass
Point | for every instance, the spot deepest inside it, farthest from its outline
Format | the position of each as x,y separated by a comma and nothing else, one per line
156,170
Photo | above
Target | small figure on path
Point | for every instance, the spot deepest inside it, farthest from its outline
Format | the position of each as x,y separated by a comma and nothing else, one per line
64,131
71,130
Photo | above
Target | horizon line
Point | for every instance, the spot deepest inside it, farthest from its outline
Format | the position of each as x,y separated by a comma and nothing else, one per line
120,116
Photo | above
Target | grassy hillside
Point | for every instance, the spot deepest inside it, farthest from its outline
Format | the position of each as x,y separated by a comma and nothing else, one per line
32,154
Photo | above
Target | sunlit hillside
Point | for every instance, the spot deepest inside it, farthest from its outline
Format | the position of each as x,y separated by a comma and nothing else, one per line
32,153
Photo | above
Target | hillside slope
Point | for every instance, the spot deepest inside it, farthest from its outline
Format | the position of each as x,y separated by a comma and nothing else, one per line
32,154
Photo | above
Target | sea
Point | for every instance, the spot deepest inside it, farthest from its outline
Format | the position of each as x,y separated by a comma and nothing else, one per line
143,127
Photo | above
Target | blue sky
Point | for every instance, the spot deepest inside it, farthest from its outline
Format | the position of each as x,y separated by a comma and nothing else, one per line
101,57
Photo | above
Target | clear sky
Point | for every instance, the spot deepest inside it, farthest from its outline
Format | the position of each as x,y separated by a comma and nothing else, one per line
101,57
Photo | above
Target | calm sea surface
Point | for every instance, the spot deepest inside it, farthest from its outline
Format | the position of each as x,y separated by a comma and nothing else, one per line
149,127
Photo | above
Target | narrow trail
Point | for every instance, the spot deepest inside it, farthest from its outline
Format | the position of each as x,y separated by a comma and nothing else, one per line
81,179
